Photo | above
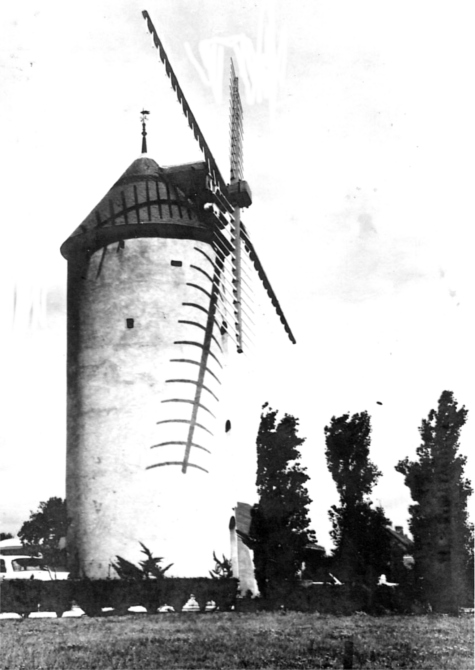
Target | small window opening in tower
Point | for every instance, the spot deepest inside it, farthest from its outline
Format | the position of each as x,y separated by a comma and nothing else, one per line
177,264
227,426
130,323
224,328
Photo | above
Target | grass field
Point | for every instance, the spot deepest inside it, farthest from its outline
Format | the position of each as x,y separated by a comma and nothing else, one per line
235,640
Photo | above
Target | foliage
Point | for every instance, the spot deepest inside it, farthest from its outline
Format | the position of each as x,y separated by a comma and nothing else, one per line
362,544
6,536
347,452
280,522
149,568
272,640
443,537
20,595
44,531
471,564
222,569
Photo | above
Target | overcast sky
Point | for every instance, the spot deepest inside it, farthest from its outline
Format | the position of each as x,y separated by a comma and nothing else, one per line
359,149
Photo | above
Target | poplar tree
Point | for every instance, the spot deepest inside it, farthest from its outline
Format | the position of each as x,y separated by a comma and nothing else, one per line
280,523
439,518
362,544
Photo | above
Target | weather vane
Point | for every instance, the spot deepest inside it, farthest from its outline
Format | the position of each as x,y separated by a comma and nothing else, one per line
143,119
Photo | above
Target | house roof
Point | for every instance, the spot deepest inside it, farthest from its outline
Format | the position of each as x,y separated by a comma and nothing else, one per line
404,541
313,546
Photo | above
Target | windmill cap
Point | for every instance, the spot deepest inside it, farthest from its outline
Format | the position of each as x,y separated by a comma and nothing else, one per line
141,167
144,202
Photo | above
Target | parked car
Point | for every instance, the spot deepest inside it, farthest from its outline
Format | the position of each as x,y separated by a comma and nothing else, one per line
28,567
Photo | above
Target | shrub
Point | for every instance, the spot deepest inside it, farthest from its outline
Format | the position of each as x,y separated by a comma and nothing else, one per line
149,568
56,596
20,595
222,569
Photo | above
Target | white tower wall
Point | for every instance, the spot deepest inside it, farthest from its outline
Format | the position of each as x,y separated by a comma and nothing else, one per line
148,456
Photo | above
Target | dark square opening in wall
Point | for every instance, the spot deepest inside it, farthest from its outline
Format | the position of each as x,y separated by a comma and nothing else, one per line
177,264
130,323
227,426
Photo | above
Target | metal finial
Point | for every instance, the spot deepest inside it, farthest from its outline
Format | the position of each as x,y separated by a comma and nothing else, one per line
143,119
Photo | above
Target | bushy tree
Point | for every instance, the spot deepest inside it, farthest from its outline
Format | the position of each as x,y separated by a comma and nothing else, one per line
45,530
5,536
280,522
439,520
362,544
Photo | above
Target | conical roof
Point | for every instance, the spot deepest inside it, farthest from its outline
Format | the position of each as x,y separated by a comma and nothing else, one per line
143,202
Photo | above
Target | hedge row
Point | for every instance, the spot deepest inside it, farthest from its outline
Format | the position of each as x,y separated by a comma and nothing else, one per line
322,598
25,596
329,599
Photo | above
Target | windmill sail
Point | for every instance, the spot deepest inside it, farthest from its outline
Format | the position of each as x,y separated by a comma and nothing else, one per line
210,161
224,201
236,127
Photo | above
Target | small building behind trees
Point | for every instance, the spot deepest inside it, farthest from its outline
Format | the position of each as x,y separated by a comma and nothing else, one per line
401,558
242,560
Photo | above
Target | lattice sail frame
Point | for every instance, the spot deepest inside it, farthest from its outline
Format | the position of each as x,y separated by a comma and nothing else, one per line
236,128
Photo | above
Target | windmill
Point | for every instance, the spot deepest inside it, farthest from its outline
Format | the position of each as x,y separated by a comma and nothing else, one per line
158,297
